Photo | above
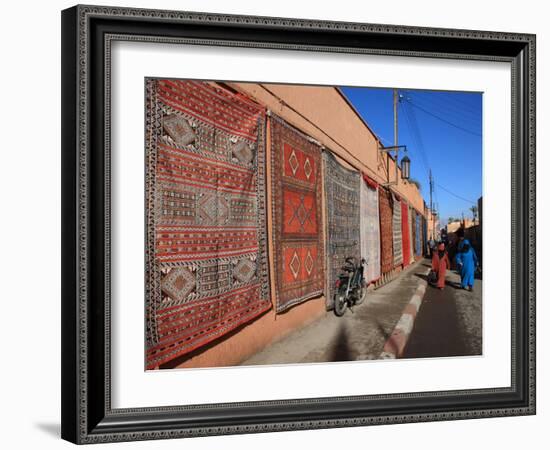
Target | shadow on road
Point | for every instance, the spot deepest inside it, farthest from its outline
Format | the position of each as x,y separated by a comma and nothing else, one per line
422,276
453,284
383,331
436,331
341,350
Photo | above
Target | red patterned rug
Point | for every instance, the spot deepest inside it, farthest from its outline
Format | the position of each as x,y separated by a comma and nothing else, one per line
405,229
397,233
206,257
297,222
386,230
415,233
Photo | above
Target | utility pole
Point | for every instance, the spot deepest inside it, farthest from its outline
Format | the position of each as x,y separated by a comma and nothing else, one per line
390,150
395,136
395,100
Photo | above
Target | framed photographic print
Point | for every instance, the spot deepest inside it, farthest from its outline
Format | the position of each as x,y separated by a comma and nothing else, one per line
279,224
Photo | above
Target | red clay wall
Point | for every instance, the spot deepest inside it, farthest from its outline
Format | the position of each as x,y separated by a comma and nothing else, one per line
324,114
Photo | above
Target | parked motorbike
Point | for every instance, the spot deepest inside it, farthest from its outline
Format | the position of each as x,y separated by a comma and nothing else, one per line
351,287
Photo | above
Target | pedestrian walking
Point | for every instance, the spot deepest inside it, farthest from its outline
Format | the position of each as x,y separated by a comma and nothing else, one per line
466,260
450,248
431,246
440,264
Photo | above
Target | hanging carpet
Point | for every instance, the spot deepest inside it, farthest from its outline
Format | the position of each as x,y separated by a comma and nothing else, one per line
397,232
297,223
405,231
370,229
206,256
418,235
386,230
411,231
342,191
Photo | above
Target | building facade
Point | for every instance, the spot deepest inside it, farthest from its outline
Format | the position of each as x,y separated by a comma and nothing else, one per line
324,115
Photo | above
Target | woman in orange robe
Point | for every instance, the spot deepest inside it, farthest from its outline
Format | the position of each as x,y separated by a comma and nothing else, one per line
440,264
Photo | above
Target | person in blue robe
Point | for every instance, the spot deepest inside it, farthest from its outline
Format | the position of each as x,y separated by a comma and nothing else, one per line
466,261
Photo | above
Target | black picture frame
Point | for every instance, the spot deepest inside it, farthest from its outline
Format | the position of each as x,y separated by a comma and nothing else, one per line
87,32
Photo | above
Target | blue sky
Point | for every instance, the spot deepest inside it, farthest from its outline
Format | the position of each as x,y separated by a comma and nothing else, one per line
442,132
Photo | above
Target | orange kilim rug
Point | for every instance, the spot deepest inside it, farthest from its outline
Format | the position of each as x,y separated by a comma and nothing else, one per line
297,222
206,257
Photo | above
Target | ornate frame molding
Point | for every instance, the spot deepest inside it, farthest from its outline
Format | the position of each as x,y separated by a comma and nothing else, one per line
87,34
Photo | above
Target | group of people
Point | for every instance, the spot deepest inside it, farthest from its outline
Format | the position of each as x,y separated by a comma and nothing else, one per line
465,258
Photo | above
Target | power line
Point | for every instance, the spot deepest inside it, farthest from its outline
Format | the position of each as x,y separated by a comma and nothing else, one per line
447,105
465,119
462,104
450,100
442,119
416,136
455,195
414,129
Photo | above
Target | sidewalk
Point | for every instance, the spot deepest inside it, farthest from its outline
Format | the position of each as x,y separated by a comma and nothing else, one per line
358,335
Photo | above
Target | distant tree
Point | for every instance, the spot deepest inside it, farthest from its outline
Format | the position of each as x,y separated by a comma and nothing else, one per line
451,220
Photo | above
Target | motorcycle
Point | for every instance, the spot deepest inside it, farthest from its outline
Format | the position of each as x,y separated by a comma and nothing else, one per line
351,287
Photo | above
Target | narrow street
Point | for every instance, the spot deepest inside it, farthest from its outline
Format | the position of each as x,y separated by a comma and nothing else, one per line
447,324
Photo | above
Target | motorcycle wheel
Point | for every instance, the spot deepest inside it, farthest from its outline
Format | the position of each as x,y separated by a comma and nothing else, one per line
340,303
361,295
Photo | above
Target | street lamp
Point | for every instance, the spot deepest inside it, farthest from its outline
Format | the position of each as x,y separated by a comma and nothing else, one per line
405,168
405,162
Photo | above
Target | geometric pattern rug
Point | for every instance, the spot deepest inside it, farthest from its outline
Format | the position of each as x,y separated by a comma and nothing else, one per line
386,230
342,188
412,213
405,231
397,232
411,230
417,234
370,228
297,222
206,254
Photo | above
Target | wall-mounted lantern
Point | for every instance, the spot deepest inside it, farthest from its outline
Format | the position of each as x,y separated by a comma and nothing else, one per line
405,163
405,168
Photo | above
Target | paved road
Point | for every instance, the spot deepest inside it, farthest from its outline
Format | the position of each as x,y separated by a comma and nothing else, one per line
448,323
358,335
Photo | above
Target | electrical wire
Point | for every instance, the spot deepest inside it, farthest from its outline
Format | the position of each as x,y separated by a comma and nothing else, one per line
442,119
414,129
456,195
449,102
465,119
453,100
417,138
449,106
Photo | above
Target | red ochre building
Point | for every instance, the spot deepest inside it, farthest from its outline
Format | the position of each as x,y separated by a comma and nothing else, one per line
324,114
